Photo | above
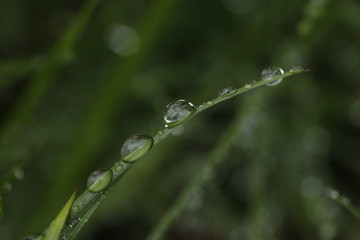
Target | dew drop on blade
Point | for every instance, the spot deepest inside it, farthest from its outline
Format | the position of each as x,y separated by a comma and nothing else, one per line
270,73
36,236
136,146
99,180
227,91
177,112
296,69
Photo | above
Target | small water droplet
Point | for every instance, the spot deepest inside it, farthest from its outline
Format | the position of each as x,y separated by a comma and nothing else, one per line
118,167
75,208
36,236
297,69
66,234
86,219
99,180
74,222
160,132
227,91
201,106
177,112
247,86
270,73
136,146
102,197
209,103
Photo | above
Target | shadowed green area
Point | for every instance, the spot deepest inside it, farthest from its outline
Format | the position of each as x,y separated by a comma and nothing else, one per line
131,59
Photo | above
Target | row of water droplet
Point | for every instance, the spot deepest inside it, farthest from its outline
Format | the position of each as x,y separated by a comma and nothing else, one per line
175,113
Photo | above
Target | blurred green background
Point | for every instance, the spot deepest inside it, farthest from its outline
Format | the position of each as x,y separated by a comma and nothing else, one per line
78,77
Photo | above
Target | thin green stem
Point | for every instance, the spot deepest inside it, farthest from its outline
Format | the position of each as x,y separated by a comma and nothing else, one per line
17,68
88,198
343,201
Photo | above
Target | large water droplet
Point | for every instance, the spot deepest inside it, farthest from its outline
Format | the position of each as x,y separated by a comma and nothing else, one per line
36,236
270,73
177,112
99,180
227,91
136,146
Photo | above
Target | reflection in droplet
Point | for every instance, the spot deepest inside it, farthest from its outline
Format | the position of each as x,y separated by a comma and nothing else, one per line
99,180
227,91
136,146
124,40
177,112
271,72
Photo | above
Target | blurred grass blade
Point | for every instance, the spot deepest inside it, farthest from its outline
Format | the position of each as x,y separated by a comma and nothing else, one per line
11,71
53,232
343,201
43,78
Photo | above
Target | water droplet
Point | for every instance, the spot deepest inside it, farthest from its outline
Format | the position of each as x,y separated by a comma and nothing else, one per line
297,69
160,132
227,91
99,180
247,86
136,146
66,234
36,236
75,208
177,112
118,167
86,219
270,73
74,222
209,103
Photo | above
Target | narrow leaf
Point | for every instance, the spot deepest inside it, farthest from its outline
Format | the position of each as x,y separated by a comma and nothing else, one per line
53,232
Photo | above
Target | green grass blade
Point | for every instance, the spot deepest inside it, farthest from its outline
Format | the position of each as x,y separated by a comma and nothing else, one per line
53,232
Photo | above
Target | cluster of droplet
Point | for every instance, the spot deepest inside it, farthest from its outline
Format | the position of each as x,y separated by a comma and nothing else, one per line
136,146
175,113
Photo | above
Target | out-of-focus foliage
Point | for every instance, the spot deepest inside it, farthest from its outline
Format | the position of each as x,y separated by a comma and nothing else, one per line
133,58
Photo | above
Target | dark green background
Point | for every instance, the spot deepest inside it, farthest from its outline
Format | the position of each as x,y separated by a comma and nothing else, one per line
297,139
